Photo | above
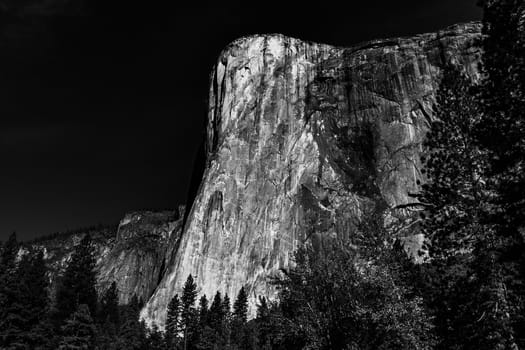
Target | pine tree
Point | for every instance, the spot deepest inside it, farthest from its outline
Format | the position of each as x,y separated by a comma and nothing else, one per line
455,198
502,133
203,311
226,307
267,334
216,314
79,330
212,334
503,99
203,331
26,304
475,194
454,167
188,312
35,299
226,330
241,337
173,322
79,280
240,307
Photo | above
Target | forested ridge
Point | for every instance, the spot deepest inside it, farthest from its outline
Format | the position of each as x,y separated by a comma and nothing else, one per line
364,292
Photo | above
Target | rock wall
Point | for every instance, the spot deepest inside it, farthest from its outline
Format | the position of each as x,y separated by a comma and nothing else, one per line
302,140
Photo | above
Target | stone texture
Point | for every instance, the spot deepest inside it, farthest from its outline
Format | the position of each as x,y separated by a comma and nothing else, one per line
302,140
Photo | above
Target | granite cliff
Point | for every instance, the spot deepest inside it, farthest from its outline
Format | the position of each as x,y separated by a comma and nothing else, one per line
303,140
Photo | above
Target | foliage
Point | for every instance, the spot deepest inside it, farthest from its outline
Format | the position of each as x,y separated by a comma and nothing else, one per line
26,303
173,322
79,330
78,283
474,198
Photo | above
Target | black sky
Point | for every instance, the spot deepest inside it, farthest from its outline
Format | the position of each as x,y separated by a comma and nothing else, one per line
102,103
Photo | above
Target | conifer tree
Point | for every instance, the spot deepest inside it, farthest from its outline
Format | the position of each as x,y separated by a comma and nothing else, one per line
240,307
203,311
78,283
26,305
212,333
226,307
502,133
173,322
225,332
241,336
34,298
79,330
188,312
474,197
216,313
266,333
454,198
203,331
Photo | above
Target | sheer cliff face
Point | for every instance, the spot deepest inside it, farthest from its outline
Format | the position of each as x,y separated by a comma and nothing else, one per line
303,140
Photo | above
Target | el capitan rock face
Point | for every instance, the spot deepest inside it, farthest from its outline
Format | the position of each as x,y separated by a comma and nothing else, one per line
305,139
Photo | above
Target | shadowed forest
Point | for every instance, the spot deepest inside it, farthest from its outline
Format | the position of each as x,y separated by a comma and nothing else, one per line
467,290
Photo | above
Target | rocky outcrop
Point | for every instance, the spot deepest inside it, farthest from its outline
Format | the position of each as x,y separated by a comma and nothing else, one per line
144,244
303,139
134,255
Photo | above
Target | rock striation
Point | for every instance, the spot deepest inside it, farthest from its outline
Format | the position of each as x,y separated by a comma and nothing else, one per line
303,140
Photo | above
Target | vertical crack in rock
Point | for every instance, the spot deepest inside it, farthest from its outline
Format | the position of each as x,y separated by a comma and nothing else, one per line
303,140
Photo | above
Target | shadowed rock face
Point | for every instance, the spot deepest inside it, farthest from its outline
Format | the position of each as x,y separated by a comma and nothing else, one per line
305,139
144,244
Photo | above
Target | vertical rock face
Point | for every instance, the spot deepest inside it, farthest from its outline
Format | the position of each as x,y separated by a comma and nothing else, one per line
303,139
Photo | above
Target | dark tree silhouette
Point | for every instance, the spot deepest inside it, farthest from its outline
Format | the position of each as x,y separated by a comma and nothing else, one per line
79,330
78,283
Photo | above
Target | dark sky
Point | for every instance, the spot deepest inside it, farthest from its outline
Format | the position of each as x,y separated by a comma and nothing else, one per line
102,103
